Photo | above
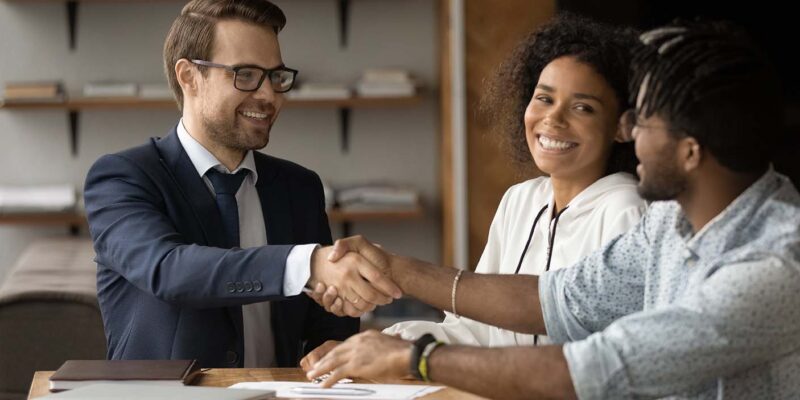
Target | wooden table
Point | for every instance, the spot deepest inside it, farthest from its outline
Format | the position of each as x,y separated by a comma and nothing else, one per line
224,377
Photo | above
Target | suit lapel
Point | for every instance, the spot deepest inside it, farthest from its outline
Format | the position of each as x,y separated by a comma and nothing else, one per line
191,185
202,202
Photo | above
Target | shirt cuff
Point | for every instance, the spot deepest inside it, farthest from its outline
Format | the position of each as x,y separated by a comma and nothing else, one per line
559,322
596,369
548,298
298,269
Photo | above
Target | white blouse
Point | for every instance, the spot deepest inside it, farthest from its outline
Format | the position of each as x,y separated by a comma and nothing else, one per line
602,211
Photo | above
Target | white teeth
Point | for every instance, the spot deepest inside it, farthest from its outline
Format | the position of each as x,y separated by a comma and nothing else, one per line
256,115
552,144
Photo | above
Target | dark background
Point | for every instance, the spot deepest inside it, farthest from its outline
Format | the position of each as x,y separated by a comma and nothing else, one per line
772,24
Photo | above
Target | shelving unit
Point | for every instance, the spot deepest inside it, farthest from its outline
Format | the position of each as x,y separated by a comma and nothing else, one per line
91,103
74,106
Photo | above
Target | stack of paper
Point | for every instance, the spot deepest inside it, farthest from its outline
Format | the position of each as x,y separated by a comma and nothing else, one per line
157,91
376,197
300,390
386,83
322,91
110,89
31,199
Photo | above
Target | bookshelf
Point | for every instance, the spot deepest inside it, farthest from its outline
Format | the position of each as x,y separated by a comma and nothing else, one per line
90,103
74,106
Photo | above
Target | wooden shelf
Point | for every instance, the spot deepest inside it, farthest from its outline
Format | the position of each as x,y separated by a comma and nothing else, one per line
84,103
56,218
78,219
337,215
75,105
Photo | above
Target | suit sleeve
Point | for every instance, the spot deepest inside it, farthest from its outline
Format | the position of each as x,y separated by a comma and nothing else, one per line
134,236
321,325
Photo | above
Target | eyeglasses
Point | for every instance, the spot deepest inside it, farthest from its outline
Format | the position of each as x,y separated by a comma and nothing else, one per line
248,78
629,120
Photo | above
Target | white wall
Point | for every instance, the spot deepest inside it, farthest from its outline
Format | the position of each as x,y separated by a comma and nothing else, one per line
123,41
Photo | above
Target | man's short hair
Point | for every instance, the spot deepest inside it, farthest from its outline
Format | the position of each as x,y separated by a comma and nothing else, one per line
192,34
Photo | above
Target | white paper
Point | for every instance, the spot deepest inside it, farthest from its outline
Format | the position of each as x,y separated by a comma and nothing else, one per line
382,392
45,198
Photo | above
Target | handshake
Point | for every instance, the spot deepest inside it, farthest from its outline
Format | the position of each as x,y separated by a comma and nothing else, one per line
352,277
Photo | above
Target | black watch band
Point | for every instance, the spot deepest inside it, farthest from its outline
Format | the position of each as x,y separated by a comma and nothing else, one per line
416,352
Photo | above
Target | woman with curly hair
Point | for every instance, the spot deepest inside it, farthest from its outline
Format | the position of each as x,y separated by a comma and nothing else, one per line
558,102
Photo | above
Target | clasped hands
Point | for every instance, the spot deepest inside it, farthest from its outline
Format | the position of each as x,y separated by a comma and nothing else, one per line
352,277
365,281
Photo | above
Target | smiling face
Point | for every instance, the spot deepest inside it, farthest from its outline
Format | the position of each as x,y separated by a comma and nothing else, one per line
571,120
232,118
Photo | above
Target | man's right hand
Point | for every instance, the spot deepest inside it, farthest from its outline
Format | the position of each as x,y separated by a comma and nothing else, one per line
315,355
362,284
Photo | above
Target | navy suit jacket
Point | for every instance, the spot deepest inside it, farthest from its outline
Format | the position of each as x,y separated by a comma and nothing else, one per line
165,288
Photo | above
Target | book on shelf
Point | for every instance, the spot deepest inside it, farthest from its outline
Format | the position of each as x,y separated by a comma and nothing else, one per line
76,373
37,199
110,89
377,198
386,82
368,89
390,75
320,91
155,91
22,92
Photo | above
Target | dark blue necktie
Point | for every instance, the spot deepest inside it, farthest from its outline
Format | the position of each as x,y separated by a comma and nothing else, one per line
225,187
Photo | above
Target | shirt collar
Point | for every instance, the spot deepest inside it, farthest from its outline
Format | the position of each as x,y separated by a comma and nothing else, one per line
728,222
203,160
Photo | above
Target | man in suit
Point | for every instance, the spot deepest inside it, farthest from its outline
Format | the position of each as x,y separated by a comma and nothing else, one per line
204,244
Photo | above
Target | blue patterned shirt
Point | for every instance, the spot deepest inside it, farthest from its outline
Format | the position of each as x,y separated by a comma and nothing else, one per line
663,312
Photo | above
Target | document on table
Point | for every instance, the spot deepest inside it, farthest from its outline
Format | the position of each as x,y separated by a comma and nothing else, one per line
366,391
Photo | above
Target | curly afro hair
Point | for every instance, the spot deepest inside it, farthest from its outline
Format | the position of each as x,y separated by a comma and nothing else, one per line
607,49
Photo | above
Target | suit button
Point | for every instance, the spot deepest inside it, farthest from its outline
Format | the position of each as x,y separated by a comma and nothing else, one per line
239,287
231,287
248,286
231,357
257,286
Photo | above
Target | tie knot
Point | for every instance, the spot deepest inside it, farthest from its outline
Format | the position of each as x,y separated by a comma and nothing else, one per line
226,183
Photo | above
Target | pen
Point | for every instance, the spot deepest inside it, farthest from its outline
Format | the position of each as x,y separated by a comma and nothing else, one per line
332,391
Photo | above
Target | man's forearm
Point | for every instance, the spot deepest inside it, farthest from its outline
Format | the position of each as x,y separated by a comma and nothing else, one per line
507,301
504,373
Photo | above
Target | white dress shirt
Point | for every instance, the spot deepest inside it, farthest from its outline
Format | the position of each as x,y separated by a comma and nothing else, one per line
259,343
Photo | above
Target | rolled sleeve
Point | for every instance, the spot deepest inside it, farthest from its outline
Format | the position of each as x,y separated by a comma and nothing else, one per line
559,322
596,370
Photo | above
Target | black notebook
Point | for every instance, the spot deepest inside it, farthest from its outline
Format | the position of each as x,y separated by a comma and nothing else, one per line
77,373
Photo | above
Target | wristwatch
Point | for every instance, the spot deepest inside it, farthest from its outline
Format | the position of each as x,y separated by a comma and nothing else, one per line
417,348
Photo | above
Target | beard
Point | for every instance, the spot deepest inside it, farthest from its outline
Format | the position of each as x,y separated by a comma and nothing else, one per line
231,134
661,181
